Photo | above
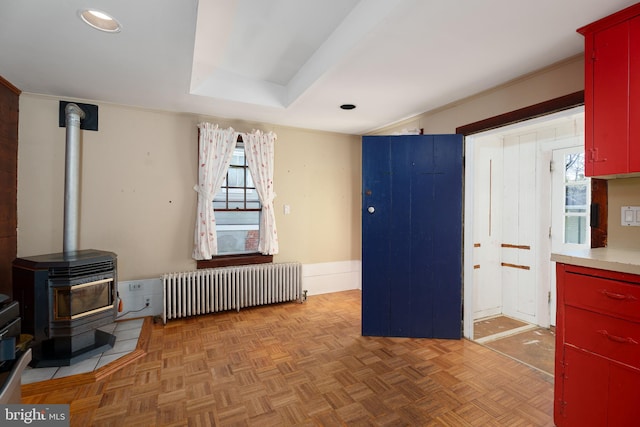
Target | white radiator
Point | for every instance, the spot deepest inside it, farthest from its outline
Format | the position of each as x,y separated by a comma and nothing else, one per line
219,289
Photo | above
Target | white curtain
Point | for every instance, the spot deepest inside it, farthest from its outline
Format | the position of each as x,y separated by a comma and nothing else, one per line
259,152
215,149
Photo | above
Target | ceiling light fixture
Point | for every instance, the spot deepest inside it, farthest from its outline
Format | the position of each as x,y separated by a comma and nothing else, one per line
347,106
100,20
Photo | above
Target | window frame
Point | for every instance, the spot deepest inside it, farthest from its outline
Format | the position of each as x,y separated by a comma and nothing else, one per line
246,173
227,260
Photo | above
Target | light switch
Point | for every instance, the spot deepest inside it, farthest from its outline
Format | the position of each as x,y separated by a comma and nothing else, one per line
287,209
628,215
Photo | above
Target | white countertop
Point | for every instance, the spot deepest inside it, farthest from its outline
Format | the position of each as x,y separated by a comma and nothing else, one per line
612,259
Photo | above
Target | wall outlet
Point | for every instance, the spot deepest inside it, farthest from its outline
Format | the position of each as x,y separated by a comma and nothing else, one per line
135,287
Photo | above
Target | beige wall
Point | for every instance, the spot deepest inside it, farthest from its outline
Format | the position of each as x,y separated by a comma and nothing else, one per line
137,197
623,192
319,176
557,80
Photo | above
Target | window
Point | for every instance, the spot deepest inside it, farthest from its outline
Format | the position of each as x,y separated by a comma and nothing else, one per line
237,208
576,200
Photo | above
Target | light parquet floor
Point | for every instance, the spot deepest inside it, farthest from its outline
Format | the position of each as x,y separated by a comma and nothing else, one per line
308,365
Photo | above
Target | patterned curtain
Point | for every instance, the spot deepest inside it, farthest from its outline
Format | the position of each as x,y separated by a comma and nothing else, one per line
259,151
215,149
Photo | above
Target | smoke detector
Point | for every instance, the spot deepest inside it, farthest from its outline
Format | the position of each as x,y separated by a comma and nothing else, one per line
100,20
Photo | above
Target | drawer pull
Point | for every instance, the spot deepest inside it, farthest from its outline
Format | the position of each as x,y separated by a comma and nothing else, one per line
621,340
617,296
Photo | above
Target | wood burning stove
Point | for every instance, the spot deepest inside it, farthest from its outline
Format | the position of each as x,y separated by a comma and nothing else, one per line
64,298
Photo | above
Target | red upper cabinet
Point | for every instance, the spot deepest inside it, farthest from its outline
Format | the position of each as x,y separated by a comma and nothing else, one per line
634,94
612,93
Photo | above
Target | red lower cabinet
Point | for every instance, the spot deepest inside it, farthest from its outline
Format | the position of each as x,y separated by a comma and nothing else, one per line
624,396
597,379
585,389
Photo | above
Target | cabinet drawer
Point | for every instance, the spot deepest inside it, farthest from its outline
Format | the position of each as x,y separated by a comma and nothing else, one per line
610,337
603,295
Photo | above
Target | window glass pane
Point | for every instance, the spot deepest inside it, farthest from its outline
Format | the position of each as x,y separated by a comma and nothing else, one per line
236,177
237,217
252,196
575,229
576,200
238,157
238,231
219,204
574,167
576,195
220,199
235,194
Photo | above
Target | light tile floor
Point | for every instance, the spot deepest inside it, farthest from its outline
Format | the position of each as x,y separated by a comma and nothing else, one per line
126,332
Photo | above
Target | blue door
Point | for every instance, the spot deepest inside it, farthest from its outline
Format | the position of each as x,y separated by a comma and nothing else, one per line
412,236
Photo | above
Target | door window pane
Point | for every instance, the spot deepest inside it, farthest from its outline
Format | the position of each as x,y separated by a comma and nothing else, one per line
576,199
575,230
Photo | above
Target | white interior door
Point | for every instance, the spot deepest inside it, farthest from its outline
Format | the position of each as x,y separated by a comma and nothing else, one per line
519,227
487,229
571,196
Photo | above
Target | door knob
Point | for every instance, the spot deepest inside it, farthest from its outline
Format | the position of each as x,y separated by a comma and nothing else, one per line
371,209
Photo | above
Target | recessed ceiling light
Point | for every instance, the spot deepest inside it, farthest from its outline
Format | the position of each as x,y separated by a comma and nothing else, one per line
100,20
347,106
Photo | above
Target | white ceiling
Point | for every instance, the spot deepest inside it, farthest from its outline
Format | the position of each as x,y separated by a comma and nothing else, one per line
288,62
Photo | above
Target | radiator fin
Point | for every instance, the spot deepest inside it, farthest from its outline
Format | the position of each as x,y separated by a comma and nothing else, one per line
212,290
